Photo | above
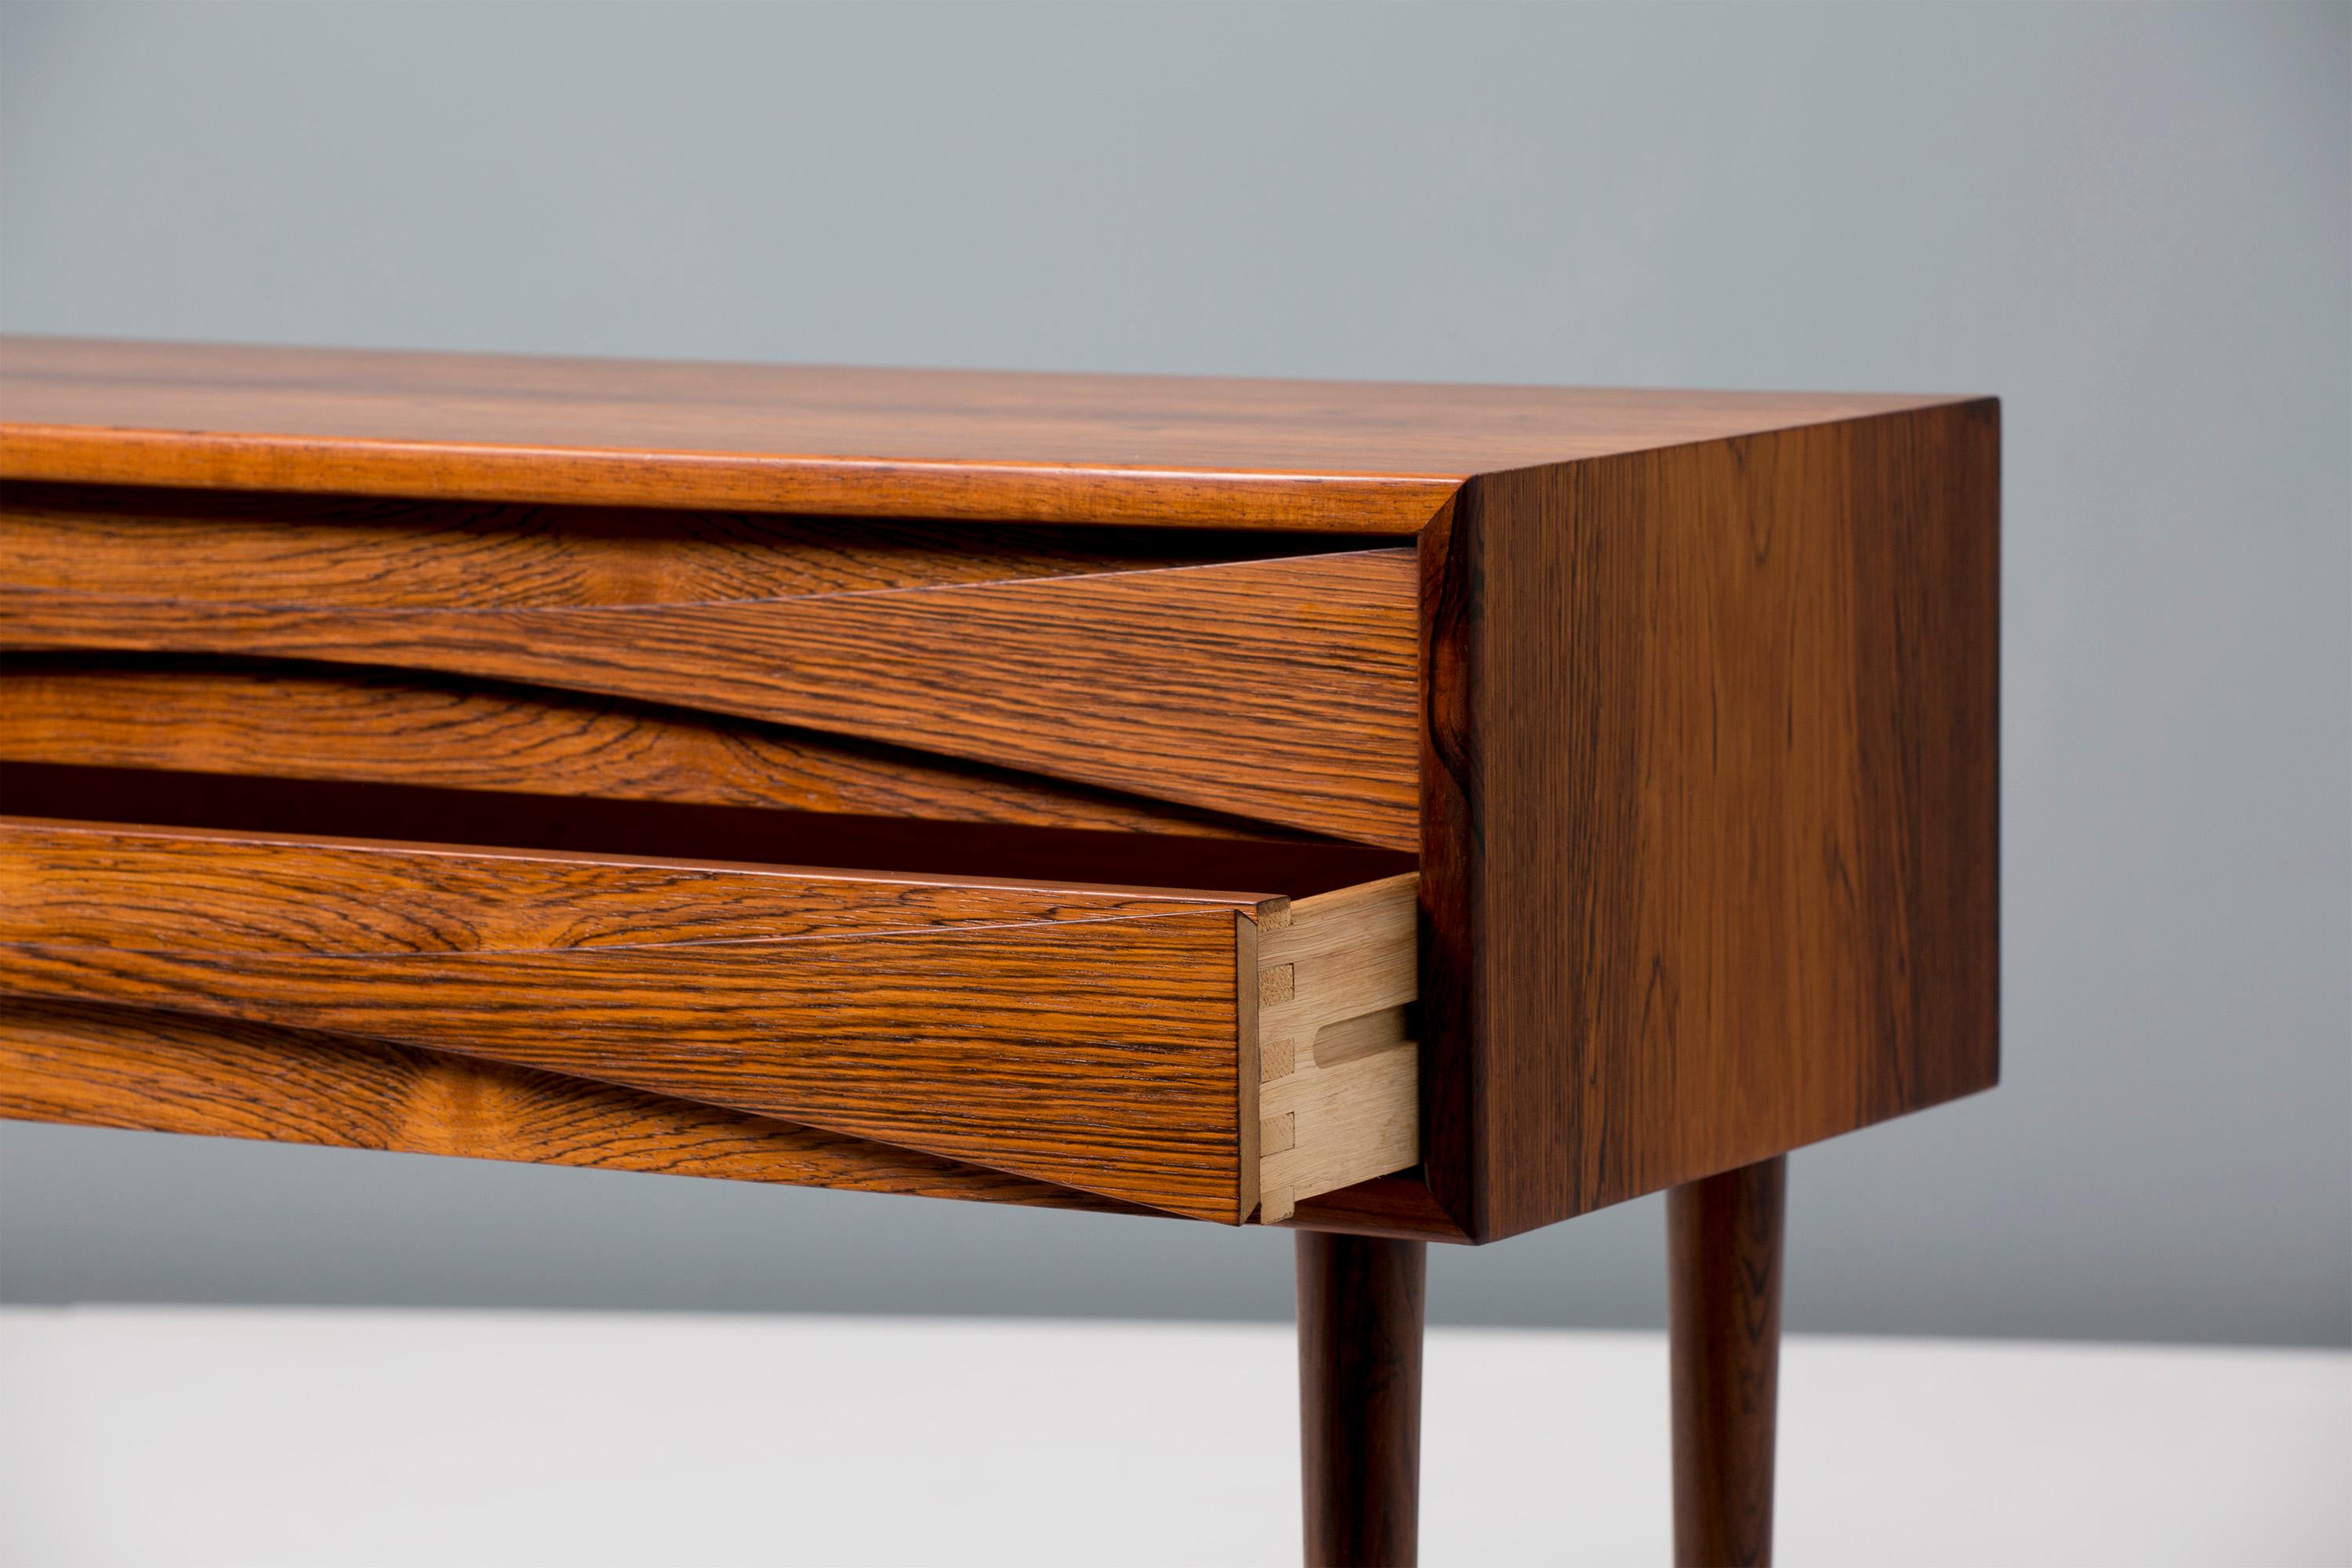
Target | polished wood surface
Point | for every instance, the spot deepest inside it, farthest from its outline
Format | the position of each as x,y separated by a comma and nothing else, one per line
1359,1340
1631,758
1710,807
1723,1262
361,553
383,727
1399,1206
1176,451
165,1073
592,827
1282,689
1088,1038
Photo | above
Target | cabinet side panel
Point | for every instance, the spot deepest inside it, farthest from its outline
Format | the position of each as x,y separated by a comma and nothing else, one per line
1714,861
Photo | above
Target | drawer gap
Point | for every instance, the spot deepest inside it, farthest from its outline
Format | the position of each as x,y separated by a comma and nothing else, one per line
576,825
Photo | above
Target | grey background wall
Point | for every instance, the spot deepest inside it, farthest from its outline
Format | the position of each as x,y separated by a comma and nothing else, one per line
2134,223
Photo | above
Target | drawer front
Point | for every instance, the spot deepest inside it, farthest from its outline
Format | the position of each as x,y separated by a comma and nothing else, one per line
342,725
101,1066
1229,674
1105,1040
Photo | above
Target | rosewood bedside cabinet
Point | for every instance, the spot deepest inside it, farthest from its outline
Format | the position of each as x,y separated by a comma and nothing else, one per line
1398,813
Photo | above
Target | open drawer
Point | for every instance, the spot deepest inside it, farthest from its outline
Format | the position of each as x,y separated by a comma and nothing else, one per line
1213,1055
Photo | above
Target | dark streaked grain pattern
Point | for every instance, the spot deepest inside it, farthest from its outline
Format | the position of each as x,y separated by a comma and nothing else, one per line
1710,789
1705,790
378,553
1399,1206
1723,1260
113,886
1279,690
585,828
1099,1055
1086,1039
1174,451
380,727
1360,1335
161,1072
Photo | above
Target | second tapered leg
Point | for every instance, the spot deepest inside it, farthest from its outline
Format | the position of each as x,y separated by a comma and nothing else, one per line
1723,1264
1359,1321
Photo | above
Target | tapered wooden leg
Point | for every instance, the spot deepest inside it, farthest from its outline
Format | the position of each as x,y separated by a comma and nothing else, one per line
1359,1311
1723,1311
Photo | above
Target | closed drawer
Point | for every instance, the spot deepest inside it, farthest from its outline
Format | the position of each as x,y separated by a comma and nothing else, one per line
1183,1051
1079,678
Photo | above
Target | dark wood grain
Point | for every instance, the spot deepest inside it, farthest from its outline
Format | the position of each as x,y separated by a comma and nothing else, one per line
1359,1337
1723,1260
1710,798
1171,451
1281,690
1708,737
161,1072
1089,1039
380,727
1400,1206
120,886
384,553
587,826
1687,703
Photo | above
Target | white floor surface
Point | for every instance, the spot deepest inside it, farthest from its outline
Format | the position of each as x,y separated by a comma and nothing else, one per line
175,1438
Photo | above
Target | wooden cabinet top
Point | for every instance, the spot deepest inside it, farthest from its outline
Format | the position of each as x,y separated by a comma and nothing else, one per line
1172,450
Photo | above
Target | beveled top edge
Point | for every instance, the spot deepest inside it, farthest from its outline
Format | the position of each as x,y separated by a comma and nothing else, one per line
1367,457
